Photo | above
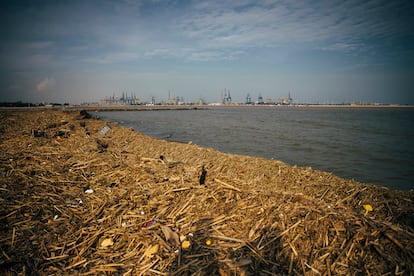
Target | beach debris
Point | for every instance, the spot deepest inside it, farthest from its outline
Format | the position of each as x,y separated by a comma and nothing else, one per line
151,251
368,207
149,224
248,221
85,115
37,133
55,125
170,235
89,191
104,130
203,176
101,145
73,202
186,244
107,242
174,164
61,133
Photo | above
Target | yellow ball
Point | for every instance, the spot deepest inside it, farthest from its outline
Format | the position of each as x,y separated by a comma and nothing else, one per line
185,244
208,242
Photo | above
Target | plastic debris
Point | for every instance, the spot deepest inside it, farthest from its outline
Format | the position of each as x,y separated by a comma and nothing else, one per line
73,202
107,242
208,242
152,251
89,191
104,130
368,207
186,244
203,176
37,133
149,224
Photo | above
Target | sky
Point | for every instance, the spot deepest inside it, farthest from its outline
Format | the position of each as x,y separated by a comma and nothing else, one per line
327,51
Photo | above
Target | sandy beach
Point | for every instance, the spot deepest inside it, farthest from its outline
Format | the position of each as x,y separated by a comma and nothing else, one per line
83,196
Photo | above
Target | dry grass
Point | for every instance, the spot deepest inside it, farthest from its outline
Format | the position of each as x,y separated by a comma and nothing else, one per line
251,217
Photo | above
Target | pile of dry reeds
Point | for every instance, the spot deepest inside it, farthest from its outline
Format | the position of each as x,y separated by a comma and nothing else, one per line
77,197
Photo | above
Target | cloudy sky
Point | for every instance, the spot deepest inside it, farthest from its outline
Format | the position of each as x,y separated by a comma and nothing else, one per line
320,51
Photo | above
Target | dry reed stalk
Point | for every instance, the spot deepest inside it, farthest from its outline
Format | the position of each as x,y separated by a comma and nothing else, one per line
226,185
250,208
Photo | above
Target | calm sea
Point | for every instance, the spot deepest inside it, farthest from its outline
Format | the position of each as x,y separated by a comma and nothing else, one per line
371,145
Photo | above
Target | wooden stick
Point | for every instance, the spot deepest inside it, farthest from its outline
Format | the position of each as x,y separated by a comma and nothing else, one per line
226,185
280,235
75,264
350,196
394,240
13,236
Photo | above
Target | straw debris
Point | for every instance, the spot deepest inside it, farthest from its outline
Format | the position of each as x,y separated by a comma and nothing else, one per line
250,216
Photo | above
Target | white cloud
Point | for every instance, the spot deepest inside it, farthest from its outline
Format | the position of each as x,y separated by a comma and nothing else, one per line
45,85
260,24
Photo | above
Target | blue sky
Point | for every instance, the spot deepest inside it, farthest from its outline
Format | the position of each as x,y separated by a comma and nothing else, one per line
319,51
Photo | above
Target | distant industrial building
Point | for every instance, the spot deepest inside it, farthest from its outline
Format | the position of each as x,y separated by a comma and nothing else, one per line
123,100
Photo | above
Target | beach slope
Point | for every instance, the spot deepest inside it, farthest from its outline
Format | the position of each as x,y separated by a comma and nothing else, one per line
79,195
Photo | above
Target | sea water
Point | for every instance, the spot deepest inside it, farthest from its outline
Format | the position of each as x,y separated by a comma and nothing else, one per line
371,145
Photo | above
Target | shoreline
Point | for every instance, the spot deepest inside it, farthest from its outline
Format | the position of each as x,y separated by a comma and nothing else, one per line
160,107
252,210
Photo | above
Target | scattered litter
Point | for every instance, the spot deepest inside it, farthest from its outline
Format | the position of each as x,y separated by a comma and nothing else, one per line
368,207
101,145
73,202
104,130
186,244
149,224
170,235
37,133
256,216
203,176
85,115
60,133
89,191
152,251
174,164
107,242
